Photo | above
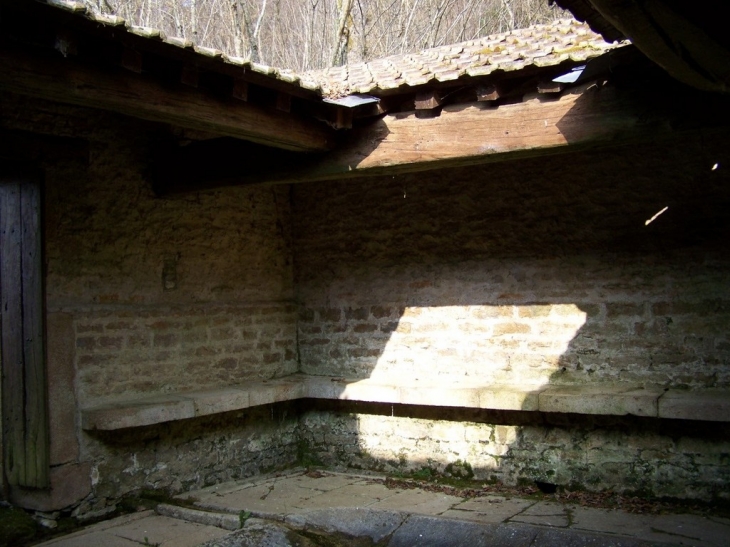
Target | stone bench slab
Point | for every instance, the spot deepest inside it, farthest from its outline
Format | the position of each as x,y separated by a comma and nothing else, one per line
712,405
602,399
611,400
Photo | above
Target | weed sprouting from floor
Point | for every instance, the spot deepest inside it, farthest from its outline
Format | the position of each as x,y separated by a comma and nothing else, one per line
243,516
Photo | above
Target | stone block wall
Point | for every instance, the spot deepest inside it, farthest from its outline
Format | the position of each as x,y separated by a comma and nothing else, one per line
533,272
130,351
621,454
568,321
529,272
148,296
166,294
180,456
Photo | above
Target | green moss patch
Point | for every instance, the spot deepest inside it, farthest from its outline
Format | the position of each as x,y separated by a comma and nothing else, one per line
16,527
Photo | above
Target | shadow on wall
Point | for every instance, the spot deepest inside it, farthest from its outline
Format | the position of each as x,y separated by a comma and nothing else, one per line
536,272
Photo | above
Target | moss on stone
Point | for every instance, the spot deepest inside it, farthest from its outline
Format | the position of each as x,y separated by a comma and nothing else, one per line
16,527
306,456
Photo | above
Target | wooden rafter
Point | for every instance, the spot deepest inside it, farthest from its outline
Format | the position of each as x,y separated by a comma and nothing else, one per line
462,135
122,91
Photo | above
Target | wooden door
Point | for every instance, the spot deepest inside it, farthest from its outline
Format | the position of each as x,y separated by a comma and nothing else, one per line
24,393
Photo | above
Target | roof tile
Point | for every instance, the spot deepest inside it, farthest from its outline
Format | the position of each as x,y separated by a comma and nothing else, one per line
208,51
146,32
539,46
68,5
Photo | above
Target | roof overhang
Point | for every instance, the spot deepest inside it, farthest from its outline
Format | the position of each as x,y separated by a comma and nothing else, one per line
235,123
688,39
61,54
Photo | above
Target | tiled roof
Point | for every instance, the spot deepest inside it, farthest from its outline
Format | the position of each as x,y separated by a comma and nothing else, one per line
80,8
539,46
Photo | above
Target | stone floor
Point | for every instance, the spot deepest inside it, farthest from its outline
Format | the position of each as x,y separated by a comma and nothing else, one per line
359,505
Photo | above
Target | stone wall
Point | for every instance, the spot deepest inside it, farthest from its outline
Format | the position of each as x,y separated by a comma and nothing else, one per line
535,271
172,349
167,294
147,295
180,456
637,456
531,272
570,320
160,290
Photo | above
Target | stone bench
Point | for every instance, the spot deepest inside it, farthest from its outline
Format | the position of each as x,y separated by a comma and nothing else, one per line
599,399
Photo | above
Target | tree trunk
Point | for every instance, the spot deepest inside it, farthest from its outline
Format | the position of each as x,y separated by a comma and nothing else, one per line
342,38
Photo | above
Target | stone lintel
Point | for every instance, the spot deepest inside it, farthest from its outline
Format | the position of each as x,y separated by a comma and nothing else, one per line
611,399
607,399
138,412
711,405
430,395
277,390
373,392
220,400
506,397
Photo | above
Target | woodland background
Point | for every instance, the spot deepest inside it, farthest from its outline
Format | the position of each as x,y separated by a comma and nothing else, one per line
313,34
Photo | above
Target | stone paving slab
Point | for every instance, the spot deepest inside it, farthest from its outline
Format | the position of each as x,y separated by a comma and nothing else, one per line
359,521
94,538
545,514
260,499
676,529
168,532
147,529
419,502
488,509
353,495
352,503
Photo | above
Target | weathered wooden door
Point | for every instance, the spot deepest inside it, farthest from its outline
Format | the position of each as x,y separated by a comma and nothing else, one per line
24,393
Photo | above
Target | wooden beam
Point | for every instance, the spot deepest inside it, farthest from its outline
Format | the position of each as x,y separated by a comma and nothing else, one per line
487,93
240,89
113,89
468,134
344,118
132,60
190,76
428,100
283,102
549,86
692,48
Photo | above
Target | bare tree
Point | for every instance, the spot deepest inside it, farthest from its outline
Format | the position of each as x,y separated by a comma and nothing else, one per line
308,34
342,36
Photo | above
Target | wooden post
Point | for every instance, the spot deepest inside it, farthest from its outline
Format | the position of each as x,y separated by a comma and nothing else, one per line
26,447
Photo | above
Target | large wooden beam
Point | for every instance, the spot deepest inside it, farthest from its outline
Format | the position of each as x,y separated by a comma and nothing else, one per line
67,81
466,134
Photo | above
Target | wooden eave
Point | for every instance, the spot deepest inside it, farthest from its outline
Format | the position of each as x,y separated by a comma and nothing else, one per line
250,128
630,102
687,39
48,53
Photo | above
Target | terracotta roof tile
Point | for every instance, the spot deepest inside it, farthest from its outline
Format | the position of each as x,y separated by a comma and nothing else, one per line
539,46
146,32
